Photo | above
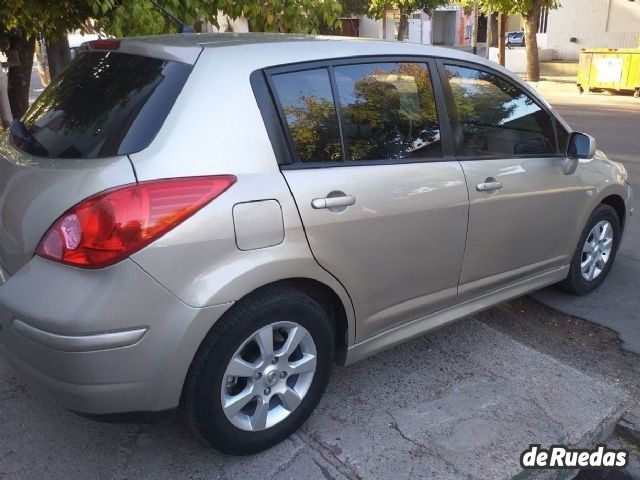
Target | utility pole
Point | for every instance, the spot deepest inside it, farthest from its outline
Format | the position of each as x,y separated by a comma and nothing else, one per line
474,31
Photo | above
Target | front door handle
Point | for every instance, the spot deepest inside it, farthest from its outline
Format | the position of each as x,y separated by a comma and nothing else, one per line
338,203
489,186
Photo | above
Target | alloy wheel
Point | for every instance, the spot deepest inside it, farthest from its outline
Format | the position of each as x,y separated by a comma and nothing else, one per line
596,251
268,376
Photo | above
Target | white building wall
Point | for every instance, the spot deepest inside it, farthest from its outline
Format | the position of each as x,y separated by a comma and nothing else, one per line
414,35
595,24
369,28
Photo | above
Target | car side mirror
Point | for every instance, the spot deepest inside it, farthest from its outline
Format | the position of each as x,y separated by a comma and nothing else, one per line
580,146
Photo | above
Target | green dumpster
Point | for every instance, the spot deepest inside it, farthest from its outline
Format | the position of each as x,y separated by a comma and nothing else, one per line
611,69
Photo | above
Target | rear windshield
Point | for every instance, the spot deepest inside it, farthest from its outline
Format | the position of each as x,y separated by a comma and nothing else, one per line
104,104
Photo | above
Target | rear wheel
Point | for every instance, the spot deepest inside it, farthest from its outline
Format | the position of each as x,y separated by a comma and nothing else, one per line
595,253
260,372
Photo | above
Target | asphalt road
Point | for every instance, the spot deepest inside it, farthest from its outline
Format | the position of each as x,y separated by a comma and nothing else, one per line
614,120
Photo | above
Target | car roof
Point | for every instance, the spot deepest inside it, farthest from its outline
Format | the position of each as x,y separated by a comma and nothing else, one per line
262,50
187,46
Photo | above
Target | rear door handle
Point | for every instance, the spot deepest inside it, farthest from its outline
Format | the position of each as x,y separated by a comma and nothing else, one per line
488,186
333,202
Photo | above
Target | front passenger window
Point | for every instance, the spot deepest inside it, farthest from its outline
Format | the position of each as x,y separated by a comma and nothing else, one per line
494,117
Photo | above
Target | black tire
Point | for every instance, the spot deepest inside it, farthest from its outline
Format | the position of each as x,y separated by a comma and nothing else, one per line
575,283
201,405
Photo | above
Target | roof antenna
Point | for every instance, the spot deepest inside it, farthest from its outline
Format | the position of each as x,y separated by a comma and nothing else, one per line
184,27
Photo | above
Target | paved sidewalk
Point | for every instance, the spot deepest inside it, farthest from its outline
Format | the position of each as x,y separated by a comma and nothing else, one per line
463,402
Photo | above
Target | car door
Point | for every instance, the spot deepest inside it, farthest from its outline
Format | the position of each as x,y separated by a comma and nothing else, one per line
522,204
383,210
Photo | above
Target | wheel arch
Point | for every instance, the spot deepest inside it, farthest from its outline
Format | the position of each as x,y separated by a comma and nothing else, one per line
329,300
617,203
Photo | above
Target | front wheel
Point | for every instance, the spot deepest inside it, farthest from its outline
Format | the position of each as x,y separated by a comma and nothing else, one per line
260,372
595,253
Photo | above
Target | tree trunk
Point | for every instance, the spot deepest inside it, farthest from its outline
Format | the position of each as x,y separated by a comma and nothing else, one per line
531,23
474,29
59,56
490,35
20,75
5,109
502,26
404,26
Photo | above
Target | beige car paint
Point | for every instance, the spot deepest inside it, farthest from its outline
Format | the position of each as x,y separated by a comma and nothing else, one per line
258,224
398,251
520,229
396,258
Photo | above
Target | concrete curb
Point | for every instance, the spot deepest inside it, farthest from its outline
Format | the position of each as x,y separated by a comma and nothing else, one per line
629,425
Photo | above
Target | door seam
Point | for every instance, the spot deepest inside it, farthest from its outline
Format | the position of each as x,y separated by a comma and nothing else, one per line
306,237
466,238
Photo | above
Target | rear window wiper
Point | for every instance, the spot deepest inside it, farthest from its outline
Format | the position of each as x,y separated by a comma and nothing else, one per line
23,139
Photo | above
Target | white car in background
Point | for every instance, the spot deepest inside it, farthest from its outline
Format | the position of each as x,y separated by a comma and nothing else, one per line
76,39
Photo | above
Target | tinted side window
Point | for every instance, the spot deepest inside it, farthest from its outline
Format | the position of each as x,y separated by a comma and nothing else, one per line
103,104
388,111
307,103
496,117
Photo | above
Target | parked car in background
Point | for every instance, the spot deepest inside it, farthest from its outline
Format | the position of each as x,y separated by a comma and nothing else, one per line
177,236
515,39
76,39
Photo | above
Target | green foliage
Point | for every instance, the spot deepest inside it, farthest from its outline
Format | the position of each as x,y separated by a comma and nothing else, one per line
301,16
139,17
49,17
354,7
406,7
516,7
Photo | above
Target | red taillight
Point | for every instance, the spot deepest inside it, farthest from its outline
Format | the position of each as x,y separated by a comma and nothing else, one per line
112,225
104,44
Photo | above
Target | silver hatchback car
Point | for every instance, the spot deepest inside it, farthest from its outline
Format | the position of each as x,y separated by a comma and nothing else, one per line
204,223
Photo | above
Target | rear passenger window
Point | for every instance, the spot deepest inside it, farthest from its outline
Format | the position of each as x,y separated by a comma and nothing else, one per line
495,117
388,111
307,103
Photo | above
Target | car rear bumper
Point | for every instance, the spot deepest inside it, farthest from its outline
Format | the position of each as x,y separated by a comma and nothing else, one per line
103,341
